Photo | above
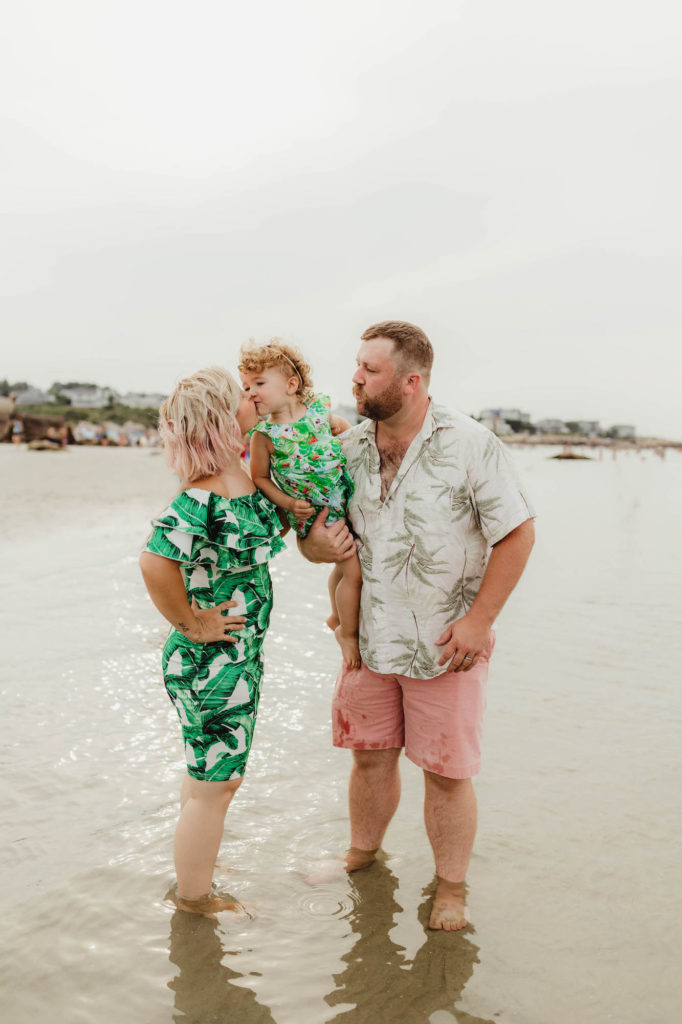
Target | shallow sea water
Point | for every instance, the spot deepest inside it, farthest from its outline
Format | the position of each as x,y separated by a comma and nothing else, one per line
576,861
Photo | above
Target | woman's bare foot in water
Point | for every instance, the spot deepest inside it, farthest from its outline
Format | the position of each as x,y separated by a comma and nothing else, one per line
449,911
349,647
212,904
337,867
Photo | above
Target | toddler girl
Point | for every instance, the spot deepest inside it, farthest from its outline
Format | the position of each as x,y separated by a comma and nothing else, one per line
298,463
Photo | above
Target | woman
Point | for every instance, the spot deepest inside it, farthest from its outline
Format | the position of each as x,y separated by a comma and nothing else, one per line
208,552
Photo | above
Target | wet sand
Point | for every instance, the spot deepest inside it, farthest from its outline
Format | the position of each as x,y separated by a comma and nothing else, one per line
576,858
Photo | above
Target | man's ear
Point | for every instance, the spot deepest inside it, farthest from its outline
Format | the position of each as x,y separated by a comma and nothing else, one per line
412,383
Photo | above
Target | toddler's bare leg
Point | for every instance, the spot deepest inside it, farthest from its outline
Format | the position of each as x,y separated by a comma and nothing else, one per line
348,604
334,580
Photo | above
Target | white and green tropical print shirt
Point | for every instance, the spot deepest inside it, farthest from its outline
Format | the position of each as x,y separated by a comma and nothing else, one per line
425,548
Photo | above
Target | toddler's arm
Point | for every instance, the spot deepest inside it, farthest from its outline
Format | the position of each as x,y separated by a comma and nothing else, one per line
260,474
338,425
163,580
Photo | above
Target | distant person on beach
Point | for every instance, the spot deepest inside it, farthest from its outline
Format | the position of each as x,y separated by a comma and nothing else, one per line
444,530
297,461
208,553
7,406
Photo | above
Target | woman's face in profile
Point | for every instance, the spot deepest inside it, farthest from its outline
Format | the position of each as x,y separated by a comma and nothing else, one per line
246,414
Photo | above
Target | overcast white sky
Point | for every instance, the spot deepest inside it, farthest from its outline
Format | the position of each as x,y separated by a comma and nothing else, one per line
176,177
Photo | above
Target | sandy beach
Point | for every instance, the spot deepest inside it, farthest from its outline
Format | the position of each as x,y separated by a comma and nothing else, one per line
576,858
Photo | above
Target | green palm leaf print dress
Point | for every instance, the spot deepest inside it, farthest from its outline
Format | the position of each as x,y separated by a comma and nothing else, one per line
308,462
223,546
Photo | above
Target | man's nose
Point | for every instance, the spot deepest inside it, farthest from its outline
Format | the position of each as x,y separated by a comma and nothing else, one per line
357,377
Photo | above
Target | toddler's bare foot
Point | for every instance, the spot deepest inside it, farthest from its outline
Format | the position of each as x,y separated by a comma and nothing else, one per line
333,622
352,860
449,911
212,904
349,647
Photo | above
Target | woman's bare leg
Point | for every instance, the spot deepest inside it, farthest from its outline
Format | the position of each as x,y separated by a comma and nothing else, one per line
197,841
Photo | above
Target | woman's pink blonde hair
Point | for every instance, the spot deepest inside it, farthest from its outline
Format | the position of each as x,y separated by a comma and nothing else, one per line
197,424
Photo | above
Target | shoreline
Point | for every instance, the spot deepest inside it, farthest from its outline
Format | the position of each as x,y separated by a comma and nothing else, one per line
579,440
152,441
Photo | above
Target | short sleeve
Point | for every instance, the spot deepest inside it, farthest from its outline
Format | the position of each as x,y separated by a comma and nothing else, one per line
321,404
500,500
200,527
181,531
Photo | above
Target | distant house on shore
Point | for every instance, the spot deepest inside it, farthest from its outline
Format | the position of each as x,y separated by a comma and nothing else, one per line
551,426
505,421
33,396
142,400
623,432
508,415
588,428
89,396
495,423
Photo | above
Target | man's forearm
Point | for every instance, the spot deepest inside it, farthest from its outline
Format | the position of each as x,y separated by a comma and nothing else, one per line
505,565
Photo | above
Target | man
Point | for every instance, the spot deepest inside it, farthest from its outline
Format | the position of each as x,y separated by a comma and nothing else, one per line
443,530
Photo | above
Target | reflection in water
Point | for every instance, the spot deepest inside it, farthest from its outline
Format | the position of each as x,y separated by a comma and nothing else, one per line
380,981
203,986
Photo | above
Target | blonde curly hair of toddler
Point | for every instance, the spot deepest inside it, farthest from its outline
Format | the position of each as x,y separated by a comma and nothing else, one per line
198,426
278,354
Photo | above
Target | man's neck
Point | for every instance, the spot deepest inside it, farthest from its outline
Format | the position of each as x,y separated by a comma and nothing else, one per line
404,424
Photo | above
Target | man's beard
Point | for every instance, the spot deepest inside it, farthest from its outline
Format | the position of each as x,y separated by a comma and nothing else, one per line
382,406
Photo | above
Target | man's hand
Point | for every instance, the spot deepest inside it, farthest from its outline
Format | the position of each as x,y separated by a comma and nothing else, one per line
464,642
301,509
209,625
327,543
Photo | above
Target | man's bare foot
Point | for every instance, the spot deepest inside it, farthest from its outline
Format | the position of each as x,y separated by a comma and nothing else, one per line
355,859
212,904
337,867
349,647
333,622
449,911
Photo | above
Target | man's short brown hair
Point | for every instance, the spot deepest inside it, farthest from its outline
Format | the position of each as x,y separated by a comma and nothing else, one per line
412,348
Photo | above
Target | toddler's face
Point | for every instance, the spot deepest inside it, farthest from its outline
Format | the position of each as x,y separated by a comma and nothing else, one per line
268,390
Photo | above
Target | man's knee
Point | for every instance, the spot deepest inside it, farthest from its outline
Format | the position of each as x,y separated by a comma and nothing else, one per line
442,782
379,761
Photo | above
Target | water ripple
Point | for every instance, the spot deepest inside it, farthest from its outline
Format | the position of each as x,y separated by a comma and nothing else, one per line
327,901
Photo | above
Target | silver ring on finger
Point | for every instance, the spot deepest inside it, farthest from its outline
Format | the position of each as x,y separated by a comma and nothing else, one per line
468,657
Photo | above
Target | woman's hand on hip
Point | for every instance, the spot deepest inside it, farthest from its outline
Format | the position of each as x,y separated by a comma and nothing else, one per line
211,625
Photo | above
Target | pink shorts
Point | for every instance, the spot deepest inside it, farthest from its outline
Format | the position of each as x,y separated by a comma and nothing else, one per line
439,721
